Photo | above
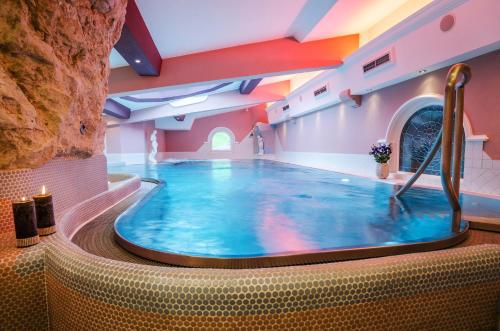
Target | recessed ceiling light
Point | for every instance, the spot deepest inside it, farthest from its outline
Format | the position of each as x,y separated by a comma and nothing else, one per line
137,61
345,180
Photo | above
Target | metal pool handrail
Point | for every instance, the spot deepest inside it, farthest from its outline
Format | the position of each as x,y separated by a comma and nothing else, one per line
453,117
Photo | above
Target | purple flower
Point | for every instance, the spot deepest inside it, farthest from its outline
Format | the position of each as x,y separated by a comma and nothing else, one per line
381,152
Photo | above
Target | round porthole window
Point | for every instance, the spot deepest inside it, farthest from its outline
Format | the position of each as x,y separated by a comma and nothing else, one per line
221,141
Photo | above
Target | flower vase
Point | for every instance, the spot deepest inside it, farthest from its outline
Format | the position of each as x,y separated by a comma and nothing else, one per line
382,170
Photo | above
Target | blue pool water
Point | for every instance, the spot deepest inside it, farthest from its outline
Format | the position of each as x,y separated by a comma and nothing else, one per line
235,209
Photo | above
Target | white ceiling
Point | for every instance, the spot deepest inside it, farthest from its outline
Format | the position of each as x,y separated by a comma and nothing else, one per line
116,60
353,16
180,27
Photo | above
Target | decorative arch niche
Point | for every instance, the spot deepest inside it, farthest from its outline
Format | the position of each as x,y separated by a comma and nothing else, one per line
404,113
417,138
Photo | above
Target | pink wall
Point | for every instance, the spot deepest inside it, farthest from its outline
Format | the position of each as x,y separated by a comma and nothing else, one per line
135,137
239,122
342,129
269,141
132,138
69,181
113,139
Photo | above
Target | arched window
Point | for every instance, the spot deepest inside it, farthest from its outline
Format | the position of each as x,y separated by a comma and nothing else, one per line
221,141
418,136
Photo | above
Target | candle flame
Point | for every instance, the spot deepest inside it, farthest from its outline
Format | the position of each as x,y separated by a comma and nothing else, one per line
43,189
23,198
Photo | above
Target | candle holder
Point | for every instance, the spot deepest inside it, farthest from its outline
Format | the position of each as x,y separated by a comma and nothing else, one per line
46,222
25,223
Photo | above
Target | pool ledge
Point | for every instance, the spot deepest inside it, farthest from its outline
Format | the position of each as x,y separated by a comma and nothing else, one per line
77,216
78,290
483,223
290,259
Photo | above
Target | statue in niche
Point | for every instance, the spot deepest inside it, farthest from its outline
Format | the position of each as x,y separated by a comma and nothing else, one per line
154,147
259,140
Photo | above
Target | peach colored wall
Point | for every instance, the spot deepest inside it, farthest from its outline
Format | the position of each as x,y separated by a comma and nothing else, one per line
482,100
160,138
284,55
342,129
239,122
259,114
135,137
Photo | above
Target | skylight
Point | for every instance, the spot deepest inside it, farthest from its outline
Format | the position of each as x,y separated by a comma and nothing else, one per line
188,101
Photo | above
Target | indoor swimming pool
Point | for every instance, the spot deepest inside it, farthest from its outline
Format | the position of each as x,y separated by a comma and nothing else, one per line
206,212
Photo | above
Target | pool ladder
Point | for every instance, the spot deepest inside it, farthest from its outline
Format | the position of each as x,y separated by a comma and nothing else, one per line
449,138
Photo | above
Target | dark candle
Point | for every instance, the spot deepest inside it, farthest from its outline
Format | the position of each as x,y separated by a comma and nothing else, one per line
25,223
46,222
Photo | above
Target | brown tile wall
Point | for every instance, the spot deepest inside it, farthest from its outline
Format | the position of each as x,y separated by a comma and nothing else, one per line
23,296
23,286
453,289
59,284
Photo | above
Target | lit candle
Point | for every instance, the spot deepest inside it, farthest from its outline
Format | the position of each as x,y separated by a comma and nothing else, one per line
25,222
45,213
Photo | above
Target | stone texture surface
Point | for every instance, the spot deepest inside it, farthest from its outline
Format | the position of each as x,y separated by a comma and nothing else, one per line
53,77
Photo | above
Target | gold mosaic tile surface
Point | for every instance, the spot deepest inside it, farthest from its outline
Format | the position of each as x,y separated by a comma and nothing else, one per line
98,237
452,289
6,218
23,299
56,281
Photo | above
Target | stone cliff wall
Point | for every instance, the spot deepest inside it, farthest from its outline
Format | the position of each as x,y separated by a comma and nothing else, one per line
53,77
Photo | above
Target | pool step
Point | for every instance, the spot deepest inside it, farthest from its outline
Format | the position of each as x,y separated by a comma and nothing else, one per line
483,223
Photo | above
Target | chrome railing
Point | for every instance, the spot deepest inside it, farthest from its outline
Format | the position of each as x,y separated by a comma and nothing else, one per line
450,141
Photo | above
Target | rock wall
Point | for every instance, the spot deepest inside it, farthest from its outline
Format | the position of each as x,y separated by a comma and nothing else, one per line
54,77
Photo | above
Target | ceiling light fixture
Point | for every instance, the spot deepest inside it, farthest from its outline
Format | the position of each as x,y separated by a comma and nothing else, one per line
423,71
137,61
